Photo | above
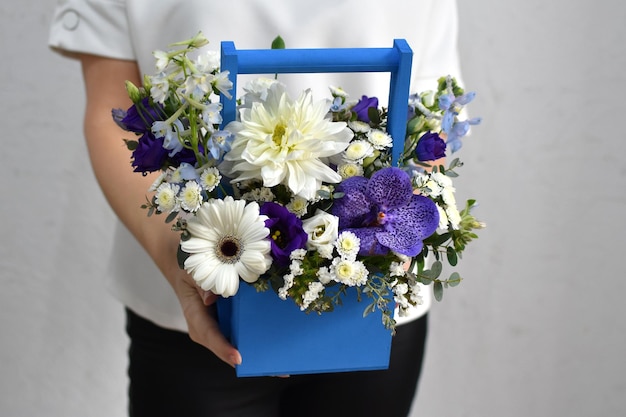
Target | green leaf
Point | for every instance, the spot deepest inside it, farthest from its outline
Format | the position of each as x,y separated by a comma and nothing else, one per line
438,290
453,258
278,43
436,269
454,280
373,114
181,257
131,144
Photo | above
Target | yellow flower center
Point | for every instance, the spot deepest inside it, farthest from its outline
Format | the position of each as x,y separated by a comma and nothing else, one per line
279,133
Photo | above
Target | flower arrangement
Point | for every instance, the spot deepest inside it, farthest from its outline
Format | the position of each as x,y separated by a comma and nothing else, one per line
299,195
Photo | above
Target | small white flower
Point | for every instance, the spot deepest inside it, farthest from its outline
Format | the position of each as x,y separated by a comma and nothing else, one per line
454,217
297,254
379,139
160,87
222,83
416,296
323,274
296,268
358,126
326,251
165,197
348,170
191,196
348,245
298,206
211,114
338,92
210,178
312,294
348,272
283,292
358,150
261,194
162,60
208,61
396,269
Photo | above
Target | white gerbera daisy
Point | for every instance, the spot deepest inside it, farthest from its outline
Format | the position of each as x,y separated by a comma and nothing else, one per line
228,241
281,141
210,178
165,197
190,197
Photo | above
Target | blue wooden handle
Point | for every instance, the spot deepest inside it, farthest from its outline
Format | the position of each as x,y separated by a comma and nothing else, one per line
395,60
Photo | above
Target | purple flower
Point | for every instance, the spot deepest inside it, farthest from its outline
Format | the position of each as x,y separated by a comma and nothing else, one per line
150,155
362,107
286,232
138,118
430,147
385,214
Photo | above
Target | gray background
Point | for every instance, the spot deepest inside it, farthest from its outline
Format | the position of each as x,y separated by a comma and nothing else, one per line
536,328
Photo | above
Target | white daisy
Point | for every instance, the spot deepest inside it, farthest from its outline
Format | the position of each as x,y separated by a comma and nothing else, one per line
210,178
348,245
298,206
358,150
351,273
190,196
348,170
228,241
165,197
379,139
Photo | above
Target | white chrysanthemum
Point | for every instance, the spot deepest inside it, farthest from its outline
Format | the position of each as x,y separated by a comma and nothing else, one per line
348,272
228,241
281,141
359,126
165,197
379,139
348,245
210,178
348,170
312,294
358,150
298,206
190,196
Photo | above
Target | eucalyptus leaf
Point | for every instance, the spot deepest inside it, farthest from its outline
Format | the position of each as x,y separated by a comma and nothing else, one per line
453,258
454,280
436,269
438,290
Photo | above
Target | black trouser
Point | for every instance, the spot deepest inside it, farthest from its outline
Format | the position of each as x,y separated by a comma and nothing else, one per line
171,376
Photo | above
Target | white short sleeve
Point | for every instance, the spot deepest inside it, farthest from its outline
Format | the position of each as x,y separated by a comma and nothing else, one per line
98,27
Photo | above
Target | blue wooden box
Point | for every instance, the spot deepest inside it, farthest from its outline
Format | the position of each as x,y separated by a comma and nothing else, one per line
274,336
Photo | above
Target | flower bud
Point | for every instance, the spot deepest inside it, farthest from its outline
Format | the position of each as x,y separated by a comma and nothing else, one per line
133,92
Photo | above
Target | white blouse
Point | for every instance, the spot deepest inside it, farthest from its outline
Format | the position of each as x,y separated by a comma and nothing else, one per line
133,29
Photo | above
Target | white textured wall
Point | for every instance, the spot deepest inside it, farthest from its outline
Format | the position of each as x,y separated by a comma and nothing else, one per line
536,329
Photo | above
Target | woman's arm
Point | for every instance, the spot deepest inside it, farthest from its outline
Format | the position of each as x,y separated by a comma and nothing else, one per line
125,191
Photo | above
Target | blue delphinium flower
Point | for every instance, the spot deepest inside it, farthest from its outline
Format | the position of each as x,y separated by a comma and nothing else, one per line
220,143
286,232
385,214
453,128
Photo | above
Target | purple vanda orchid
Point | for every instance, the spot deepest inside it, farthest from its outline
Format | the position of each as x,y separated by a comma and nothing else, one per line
385,214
